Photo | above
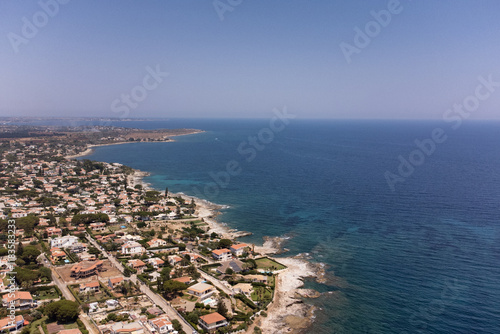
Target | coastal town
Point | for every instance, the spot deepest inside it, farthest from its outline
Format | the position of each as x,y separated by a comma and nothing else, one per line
88,247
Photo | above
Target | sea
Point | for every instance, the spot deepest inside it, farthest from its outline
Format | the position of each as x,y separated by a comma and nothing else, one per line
404,214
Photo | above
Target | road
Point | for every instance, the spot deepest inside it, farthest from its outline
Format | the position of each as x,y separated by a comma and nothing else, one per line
68,295
158,300
216,282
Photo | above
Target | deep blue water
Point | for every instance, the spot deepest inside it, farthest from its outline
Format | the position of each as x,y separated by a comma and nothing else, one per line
421,259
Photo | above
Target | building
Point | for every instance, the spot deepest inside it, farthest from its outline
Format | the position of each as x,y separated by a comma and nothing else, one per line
154,243
255,278
129,328
239,249
132,248
185,279
98,227
86,269
174,259
7,324
212,321
137,264
21,300
156,262
89,287
63,242
56,255
222,254
244,288
235,265
54,231
161,325
201,290
114,282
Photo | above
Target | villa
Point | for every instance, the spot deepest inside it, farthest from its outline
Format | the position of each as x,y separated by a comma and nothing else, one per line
6,324
21,300
239,249
132,248
161,325
222,254
114,282
86,269
212,321
201,290
63,242
89,287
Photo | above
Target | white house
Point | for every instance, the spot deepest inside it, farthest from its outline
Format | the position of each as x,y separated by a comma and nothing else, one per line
63,242
161,325
238,249
222,254
132,248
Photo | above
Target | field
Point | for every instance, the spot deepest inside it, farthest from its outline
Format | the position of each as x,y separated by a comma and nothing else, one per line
268,264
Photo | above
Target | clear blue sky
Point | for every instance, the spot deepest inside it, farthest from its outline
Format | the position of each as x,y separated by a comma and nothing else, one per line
264,54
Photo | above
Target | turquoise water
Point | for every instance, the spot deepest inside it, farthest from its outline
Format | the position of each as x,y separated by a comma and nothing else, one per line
420,259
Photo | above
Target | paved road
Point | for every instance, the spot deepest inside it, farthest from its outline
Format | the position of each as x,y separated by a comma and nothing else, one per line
216,282
158,300
69,296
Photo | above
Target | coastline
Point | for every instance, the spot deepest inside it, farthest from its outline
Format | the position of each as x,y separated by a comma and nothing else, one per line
90,148
287,313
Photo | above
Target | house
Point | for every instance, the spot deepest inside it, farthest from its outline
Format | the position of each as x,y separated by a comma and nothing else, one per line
86,268
156,262
21,300
114,282
8,324
137,264
89,287
78,247
185,279
132,248
222,254
129,328
161,325
154,243
202,290
255,278
56,255
239,249
235,265
54,231
212,321
244,288
174,259
98,227
63,242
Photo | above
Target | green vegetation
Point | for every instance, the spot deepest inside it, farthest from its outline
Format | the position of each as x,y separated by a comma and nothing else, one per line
63,311
266,263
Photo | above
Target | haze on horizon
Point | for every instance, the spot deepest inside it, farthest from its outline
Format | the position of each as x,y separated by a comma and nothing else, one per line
241,58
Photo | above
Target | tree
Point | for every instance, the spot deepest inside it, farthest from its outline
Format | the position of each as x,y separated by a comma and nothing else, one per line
63,311
224,243
172,287
166,191
221,308
176,324
30,254
141,224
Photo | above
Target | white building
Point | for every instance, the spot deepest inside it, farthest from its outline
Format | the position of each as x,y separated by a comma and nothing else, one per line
63,242
132,248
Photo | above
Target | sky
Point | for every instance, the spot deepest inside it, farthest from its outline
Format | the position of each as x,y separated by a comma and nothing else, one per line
243,58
